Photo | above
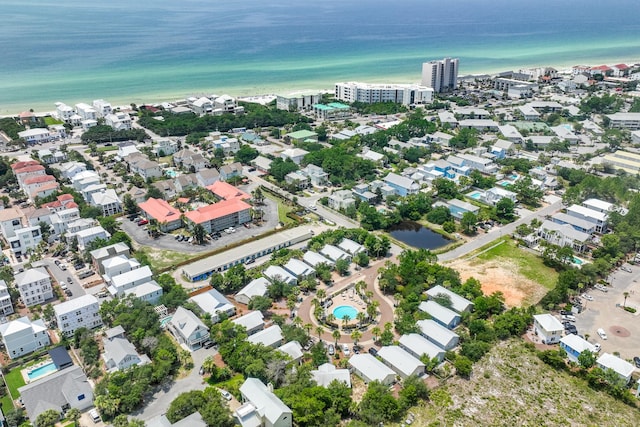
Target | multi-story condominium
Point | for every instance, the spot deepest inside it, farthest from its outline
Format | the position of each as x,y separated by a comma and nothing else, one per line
86,111
369,93
10,221
221,215
442,75
629,121
34,286
22,336
64,112
299,101
102,107
108,201
118,121
6,307
81,312
25,239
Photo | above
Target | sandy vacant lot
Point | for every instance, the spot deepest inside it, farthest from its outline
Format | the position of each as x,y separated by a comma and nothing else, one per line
502,275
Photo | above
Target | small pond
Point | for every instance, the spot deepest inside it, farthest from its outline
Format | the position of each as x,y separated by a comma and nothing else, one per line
414,234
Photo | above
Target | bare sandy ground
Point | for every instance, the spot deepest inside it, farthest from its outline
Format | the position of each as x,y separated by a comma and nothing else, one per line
501,275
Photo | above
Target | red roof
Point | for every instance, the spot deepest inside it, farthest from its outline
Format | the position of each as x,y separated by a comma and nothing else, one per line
217,210
26,114
38,179
28,169
227,191
160,210
183,200
46,187
20,165
601,68
64,197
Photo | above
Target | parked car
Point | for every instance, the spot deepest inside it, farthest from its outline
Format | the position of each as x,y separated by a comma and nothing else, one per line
226,394
63,286
569,317
332,350
636,361
602,333
373,351
587,297
69,280
564,312
571,330
143,222
597,347
209,344
627,269
345,350
601,288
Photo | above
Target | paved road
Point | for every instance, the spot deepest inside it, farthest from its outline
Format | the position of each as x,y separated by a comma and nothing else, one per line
61,276
504,230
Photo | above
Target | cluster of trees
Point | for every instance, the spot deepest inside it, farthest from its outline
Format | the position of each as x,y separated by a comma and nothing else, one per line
379,405
208,403
11,127
255,115
379,108
104,133
282,167
605,104
84,340
245,154
377,246
342,163
465,138
122,392
528,193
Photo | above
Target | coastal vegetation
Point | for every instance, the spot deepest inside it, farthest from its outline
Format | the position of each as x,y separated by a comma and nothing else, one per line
103,133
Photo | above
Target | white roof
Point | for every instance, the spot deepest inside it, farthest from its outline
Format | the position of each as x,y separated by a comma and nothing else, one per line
437,332
298,268
586,212
267,337
326,373
458,303
21,324
350,246
186,322
573,220
275,272
314,258
334,252
88,232
439,312
144,289
213,302
256,287
403,362
267,403
132,276
621,367
598,204
400,181
75,304
548,322
293,349
419,345
371,367
250,320
578,344
31,276
566,230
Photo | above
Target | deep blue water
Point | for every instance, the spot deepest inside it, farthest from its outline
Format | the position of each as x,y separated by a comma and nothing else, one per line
75,50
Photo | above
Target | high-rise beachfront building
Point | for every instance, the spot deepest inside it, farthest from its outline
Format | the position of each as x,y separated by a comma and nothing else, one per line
440,75
369,93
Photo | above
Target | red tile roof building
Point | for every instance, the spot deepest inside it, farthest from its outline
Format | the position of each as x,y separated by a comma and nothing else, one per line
227,191
168,217
221,215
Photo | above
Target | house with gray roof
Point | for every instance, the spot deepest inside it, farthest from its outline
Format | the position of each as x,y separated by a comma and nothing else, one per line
401,361
438,334
401,185
564,235
351,247
314,259
193,420
419,346
293,349
252,322
60,391
119,354
262,405
444,316
270,337
299,269
256,287
458,304
23,336
215,304
149,292
327,373
188,329
371,369
621,367
99,255
274,272
334,253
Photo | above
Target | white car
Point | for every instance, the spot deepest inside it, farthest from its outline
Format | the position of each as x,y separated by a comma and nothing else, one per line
226,394
345,350
569,317
597,347
601,288
587,297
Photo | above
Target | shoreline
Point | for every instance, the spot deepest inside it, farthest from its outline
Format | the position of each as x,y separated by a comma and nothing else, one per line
293,87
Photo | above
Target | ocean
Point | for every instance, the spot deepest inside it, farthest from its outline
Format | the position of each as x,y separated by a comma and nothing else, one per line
123,51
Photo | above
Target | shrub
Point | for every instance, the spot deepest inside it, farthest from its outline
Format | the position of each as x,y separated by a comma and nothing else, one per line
630,309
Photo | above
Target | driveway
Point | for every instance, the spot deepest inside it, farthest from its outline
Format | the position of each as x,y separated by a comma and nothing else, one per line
622,327
61,276
161,399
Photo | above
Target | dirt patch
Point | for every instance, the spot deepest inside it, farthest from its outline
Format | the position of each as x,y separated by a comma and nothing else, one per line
501,275
619,331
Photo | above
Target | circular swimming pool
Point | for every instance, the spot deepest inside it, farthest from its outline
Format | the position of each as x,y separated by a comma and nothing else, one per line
345,310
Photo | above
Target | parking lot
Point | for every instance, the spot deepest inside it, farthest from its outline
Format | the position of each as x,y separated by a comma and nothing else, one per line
622,328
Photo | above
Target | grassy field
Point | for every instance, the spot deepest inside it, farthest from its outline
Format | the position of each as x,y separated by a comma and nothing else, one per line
510,386
14,381
283,209
161,258
529,264
48,120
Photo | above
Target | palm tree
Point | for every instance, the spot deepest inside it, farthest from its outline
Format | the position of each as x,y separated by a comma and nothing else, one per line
336,335
376,333
345,320
331,318
361,317
319,331
355,336
397,297
74,415
297,321
321,294
307,327
208,364
626,295
368,295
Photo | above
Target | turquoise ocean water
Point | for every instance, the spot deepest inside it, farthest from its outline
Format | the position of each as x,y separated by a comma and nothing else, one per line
127,51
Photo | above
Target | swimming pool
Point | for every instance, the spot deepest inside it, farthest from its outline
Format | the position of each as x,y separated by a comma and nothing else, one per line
476,195
163,322
577,261
345,310
504,183
40,371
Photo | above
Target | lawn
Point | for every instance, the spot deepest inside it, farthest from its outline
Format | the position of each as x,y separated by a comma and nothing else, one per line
529,264
161,258
510,386
231,385
105,148
48,120
14,380
283,209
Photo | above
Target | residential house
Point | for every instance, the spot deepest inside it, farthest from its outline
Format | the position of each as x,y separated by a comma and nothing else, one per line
108,201
102,107
81,312
6,306
295,154
458,304
298,101
334,253
230,171
564,235
629,121
167,188
119,354
621,367
317,176
577,223
34,286
459,207
341,199
88,235
186,182
215,304
188,329
493,195
140,164
86,111
117,265
481,125
167,217
293,349
257,287
149,292
118,121
511,133
297,179
261,407
401,185
202,106
595,217
10,221
314,259
102,254
190,161
573,345
262,164
193,420
60,391
25,239
444,316
299,269
548,328
351,247
23,336
165,147
270,337
438,334
371,369
402,362
207,177
419,346
328,373
277,273
599,205
501,148
127,148
35,135
252,322
120,283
